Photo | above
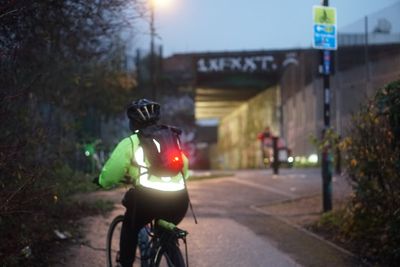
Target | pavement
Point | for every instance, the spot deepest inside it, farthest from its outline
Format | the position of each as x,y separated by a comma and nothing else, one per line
286,227
278,237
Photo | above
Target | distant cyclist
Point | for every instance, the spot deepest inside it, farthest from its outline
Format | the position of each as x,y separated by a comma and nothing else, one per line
151,159
265,138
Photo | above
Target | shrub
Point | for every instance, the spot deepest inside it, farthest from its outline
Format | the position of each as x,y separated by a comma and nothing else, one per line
373,169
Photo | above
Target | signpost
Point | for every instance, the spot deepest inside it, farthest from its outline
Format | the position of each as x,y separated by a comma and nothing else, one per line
325,39
325,28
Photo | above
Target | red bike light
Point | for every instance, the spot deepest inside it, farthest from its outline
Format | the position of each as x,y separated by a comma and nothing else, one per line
175,160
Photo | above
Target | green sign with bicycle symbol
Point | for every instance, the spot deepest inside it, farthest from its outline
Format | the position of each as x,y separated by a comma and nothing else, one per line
324,27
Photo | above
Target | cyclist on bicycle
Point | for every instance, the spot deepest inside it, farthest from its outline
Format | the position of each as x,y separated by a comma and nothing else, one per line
265,138
151,197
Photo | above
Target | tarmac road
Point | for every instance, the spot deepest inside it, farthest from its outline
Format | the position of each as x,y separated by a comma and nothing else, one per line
231,230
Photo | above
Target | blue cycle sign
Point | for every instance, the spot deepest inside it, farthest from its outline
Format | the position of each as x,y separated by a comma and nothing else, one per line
324,27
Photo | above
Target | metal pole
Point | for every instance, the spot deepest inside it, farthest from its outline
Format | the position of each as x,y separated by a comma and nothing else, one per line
326,151
152,54
275,163
367,71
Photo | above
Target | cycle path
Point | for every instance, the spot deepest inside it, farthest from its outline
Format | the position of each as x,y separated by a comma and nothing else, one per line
225,235
242,200
211,242
224,242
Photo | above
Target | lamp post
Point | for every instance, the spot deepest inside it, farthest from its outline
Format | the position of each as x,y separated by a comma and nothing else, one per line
152,54
153,4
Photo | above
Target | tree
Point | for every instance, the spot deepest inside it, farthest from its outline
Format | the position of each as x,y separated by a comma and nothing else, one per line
59,61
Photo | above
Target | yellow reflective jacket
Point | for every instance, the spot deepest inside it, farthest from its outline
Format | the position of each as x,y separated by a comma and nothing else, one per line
124,164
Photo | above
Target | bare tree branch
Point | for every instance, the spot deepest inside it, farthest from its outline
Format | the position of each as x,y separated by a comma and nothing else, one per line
8,13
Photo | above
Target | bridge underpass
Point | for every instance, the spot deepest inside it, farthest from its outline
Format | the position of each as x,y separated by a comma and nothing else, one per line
215,103
216,86
222,82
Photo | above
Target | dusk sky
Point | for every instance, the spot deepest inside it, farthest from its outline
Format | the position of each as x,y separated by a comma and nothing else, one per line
231,25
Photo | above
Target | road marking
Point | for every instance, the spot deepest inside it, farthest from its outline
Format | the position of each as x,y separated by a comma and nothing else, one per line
263,187
293,176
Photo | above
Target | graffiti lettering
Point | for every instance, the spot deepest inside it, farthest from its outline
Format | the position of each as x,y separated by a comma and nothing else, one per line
249,64
237,64
214,64
201,65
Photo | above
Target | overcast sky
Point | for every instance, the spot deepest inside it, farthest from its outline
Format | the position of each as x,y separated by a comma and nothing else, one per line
231,25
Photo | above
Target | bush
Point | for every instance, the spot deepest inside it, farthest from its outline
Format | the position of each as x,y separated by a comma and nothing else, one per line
373,169
68,182
60,73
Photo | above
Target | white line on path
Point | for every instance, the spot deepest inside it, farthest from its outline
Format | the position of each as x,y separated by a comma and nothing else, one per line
262,187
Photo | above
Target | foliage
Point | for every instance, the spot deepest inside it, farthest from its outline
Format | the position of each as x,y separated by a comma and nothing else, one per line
330,140
305,164
61,64
72,49
68,181
373,168
333,221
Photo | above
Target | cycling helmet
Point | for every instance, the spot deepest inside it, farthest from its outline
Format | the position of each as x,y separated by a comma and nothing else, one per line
142,113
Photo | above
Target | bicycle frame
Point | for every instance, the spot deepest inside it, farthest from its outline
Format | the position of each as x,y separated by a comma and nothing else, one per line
157,238
156,242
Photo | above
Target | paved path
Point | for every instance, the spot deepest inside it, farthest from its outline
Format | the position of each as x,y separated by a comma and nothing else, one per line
232,231
224,242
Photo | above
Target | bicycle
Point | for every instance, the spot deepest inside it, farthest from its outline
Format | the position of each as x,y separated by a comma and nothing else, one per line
158,244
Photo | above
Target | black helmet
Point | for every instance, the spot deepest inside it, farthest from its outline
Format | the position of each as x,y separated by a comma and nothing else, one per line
142,113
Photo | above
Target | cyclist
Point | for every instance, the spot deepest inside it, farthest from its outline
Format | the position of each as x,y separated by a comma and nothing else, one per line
265,138
149,198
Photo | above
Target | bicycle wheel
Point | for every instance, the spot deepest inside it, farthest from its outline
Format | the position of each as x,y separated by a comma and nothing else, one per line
170,256
112,245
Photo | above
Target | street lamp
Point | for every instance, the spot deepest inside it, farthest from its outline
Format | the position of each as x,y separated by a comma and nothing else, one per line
153,4
152,56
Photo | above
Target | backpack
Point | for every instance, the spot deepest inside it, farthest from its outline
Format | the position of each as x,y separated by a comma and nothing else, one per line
161,146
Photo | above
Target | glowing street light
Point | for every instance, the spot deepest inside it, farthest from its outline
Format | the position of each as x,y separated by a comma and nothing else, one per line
153,4
162,3
152,35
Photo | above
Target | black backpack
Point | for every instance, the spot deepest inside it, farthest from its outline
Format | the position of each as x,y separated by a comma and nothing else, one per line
161,146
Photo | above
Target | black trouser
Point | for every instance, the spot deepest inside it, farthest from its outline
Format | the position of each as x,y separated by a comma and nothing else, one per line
142,206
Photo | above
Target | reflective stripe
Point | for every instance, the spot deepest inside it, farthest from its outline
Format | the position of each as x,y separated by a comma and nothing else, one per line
164,183
157,145
160,185
141,114
147,111
139,156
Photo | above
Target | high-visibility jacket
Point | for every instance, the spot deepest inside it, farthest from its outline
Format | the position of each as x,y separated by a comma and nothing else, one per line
125,162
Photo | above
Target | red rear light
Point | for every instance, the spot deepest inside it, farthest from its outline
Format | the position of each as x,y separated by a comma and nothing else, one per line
175,160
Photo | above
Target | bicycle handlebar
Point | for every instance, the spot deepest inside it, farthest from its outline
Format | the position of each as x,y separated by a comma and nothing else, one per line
171,227
166,225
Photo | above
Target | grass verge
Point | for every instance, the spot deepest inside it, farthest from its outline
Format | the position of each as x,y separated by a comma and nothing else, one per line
47,222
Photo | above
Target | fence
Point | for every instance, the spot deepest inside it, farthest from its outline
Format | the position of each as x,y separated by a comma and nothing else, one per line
368,57
382,27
